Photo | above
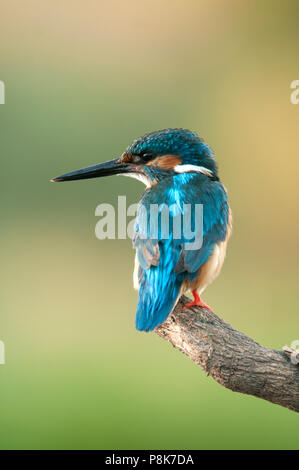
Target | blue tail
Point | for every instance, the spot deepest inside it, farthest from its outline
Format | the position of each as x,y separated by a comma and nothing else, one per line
154,306
158,291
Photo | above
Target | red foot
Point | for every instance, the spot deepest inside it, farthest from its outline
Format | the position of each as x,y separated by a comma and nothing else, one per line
197,301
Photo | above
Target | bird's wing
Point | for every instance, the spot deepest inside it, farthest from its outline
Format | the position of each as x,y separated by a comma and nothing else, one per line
159,285
214,229
165,262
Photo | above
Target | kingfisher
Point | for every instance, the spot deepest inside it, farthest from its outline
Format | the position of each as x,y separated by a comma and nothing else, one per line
179,171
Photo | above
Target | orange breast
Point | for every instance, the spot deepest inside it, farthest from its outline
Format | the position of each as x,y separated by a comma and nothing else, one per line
212,267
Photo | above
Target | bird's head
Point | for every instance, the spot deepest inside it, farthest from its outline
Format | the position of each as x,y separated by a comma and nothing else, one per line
154,157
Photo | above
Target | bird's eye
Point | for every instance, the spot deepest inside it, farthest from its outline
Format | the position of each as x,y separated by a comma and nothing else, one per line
147,155
141,157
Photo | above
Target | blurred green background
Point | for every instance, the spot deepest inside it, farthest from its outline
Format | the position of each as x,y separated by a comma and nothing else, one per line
83,79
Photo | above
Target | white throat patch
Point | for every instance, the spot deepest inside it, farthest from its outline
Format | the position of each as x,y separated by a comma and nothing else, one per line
140,177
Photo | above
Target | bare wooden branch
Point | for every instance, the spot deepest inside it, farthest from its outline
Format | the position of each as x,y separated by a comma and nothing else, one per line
233,359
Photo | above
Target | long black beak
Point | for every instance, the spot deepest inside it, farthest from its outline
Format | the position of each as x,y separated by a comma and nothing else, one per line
113,167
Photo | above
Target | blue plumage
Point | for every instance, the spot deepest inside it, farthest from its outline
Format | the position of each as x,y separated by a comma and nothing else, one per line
160,284
178,169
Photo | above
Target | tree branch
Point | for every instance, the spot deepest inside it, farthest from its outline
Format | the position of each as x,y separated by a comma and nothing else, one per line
233,359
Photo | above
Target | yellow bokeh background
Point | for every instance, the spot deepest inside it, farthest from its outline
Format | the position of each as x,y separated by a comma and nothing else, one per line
83,79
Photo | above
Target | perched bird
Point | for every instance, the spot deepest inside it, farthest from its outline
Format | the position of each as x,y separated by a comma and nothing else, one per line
179,171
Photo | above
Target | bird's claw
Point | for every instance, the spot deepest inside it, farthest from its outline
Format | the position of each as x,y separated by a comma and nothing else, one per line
197,302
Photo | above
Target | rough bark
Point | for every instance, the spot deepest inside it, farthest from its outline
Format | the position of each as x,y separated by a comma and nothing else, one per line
233,359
